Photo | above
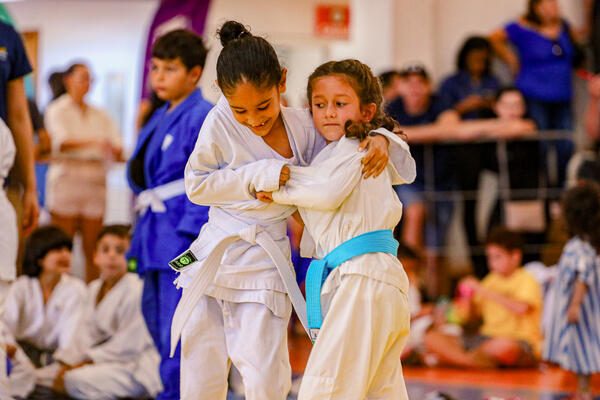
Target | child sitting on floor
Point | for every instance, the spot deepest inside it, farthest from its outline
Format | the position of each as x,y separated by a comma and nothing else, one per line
112,356
508,301
42,308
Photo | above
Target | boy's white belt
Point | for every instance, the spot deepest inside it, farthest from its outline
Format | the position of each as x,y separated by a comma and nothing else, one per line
155,197
205,275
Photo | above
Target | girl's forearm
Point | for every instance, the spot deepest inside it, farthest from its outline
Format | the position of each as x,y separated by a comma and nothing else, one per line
578,294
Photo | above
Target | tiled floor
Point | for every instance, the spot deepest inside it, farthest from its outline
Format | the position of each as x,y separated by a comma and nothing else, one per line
536,384
544,383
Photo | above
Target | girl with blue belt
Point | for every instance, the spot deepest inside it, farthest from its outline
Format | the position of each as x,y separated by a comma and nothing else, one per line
366,321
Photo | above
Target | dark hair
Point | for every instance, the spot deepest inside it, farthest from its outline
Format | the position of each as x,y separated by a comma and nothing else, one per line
531,16
183,44
245,57
122,231
414,68
508,89
471,44
505,238
581,210
72,68
387,77
41,242
367,88
57,85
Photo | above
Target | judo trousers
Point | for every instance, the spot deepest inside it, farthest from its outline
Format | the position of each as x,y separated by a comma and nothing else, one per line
249,335
357,353
159,300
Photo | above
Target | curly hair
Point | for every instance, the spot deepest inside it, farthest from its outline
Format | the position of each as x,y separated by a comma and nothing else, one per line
581,210
368,89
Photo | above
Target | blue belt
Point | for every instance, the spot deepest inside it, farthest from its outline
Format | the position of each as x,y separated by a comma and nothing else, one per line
373,242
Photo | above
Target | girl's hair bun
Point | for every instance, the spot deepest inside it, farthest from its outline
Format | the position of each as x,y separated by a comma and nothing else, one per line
230,31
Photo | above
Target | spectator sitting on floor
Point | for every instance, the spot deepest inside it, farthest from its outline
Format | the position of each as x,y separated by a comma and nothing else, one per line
509,302
113,355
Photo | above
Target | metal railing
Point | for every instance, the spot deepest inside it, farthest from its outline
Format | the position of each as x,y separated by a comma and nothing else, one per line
542,192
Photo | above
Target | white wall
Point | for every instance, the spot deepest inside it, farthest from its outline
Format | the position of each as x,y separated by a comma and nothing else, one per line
371,35
288,25
414,32
109,35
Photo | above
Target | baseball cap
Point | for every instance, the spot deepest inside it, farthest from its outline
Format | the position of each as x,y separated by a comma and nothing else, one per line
414,68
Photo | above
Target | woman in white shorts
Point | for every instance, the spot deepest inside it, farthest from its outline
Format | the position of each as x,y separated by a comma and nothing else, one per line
84,139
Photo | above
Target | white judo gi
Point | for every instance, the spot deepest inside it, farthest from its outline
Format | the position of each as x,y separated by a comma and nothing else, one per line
244,315
47,326
21,380
365,300
113,335
9,236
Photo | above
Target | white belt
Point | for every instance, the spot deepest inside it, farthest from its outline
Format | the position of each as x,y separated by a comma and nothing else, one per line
253,234
155,197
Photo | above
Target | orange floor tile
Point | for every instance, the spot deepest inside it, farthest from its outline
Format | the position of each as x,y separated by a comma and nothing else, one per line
544,377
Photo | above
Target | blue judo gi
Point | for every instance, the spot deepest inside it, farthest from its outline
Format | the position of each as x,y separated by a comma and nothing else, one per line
161,153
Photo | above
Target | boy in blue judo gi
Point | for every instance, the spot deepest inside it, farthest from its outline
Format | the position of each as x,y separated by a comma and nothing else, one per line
167,221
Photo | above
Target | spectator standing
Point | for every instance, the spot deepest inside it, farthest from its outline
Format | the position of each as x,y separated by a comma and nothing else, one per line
83,138
542,65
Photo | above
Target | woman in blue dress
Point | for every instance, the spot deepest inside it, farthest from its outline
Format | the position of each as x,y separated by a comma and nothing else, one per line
542,63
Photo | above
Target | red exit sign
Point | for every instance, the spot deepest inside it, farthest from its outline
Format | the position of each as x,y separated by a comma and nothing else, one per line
332,21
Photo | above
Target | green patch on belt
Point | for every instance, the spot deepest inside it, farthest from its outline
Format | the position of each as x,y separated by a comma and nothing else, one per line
132,265
183,260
